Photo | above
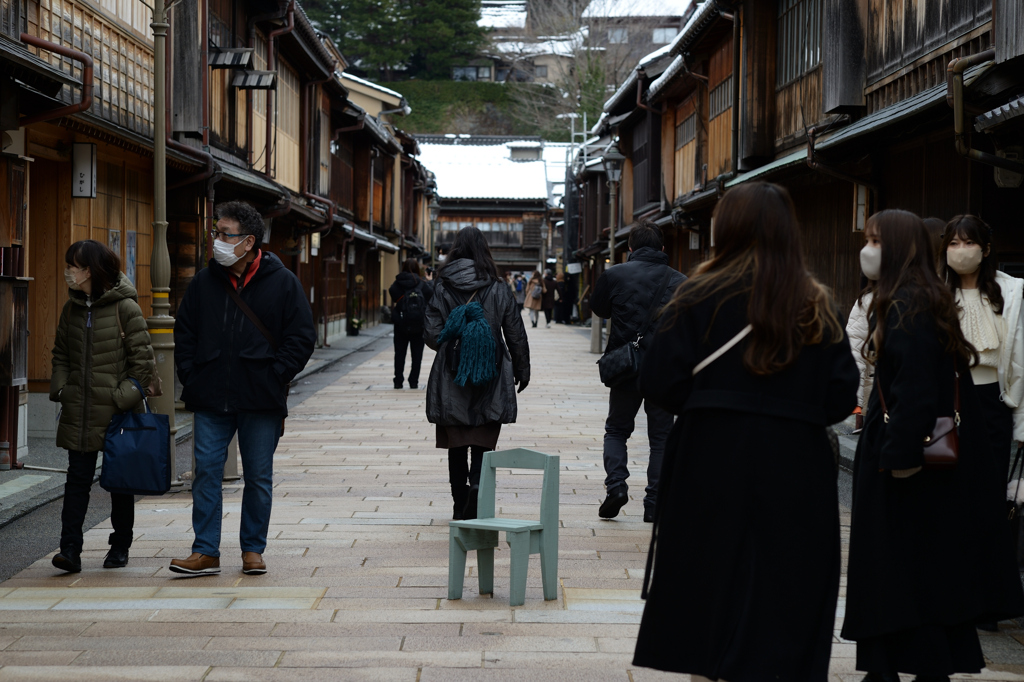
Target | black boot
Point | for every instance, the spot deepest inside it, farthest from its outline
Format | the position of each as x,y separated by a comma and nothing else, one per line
68,560
469,511
117,557
460,493
617,497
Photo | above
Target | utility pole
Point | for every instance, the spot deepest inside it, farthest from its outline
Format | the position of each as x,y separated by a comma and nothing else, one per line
161,324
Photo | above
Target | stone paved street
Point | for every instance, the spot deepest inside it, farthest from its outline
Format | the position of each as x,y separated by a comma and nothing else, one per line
358,557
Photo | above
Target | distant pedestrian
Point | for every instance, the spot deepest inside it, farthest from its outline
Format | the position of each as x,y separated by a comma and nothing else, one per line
746,537
857,325
989,305
547,301
930,551
468,417
244,330
519,292
561,300
409,297
629,295
93,364
535,290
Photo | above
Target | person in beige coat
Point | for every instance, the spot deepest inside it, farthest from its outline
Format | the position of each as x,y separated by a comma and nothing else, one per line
535,290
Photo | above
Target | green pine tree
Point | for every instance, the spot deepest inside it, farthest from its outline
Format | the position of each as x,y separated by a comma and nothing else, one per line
390,39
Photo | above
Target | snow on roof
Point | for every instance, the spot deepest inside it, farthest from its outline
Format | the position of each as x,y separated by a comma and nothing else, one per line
562,46
483,172
608,9
503,14
700,13
374,86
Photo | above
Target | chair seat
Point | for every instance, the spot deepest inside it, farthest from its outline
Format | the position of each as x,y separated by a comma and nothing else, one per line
498,524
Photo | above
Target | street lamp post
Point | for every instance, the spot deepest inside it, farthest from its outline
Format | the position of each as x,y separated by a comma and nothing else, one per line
613,159
161,324
435,212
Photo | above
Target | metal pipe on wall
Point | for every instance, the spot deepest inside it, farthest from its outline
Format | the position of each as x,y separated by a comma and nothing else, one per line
87,84
272,66
955,80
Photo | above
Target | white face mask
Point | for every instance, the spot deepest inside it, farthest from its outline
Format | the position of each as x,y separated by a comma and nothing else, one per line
72,281
224,253
871,262
965,259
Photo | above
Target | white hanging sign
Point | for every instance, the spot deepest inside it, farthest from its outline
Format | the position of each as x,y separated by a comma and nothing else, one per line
83,170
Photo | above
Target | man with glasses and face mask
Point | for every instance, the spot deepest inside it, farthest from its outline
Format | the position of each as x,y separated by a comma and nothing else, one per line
244,330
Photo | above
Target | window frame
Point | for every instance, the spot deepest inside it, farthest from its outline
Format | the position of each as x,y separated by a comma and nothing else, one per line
618,31
795,57
662,29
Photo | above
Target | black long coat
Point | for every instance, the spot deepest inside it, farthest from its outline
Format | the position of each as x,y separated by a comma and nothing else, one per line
447,403
746,548
932,549
225,364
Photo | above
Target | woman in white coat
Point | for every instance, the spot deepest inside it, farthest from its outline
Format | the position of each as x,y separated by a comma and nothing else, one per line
857,325
990,318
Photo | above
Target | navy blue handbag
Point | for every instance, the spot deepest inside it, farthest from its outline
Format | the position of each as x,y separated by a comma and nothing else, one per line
136,453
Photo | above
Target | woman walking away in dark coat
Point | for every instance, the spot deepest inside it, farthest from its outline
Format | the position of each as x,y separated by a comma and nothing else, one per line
102,343
746,549
468,416
929,549
409,298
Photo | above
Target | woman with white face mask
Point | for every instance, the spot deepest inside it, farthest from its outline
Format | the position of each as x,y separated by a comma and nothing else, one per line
857,325
989,302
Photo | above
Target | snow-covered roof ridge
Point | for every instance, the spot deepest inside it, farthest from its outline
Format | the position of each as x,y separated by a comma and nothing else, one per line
370,84
609,9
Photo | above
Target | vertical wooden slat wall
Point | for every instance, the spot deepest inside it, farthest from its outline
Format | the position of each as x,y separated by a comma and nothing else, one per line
720,125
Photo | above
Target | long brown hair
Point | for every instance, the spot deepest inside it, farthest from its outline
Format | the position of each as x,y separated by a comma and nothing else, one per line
973,228
758,255
908,280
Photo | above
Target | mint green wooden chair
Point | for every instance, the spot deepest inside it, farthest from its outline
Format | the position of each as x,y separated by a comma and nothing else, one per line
524,537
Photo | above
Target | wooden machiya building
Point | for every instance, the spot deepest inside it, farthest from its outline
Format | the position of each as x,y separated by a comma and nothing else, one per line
853,105
258,109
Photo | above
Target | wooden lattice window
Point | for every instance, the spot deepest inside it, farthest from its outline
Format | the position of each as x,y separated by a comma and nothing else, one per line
799,38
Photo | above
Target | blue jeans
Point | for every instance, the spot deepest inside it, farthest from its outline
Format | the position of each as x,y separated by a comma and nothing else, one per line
257,440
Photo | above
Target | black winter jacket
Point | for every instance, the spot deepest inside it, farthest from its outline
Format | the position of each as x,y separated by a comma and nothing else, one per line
224,363
404,283
452,405
625,291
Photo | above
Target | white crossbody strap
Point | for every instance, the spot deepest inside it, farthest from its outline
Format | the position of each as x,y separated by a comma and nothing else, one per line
724,349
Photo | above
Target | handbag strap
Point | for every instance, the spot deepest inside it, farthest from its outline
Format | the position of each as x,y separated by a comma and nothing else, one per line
956,398
724,349
139,386
654,306
250,314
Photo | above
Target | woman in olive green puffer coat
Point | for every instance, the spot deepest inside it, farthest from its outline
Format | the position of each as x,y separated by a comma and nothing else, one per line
92,364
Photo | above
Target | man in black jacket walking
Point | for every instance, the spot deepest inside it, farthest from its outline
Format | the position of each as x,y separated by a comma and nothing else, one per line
244,330
624,294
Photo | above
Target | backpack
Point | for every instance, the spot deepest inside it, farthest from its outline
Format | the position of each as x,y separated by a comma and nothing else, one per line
537,291
411,309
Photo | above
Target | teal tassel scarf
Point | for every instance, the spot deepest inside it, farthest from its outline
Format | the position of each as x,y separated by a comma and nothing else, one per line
468,324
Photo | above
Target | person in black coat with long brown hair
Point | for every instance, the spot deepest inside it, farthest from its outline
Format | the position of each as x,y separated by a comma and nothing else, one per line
746,548
930,551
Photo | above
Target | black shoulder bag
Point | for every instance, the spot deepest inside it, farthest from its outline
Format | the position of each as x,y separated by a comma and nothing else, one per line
623,364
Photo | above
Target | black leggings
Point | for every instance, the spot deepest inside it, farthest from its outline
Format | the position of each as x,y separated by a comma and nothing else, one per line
81,469
458,472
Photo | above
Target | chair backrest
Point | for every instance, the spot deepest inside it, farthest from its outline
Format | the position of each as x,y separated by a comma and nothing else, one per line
520,458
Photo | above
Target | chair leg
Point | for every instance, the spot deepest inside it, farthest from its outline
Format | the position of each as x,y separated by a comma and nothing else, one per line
519,548
549,568
485,567
456,565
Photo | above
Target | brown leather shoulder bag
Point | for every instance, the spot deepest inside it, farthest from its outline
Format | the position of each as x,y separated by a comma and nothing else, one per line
941,448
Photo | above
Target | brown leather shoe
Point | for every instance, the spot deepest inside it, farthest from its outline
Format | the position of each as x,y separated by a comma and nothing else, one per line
197,564
252,563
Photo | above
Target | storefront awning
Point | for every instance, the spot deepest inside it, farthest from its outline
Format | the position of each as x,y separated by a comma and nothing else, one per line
793,159
250,180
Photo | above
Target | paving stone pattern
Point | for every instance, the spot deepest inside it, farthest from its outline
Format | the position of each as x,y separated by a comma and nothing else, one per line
358,560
